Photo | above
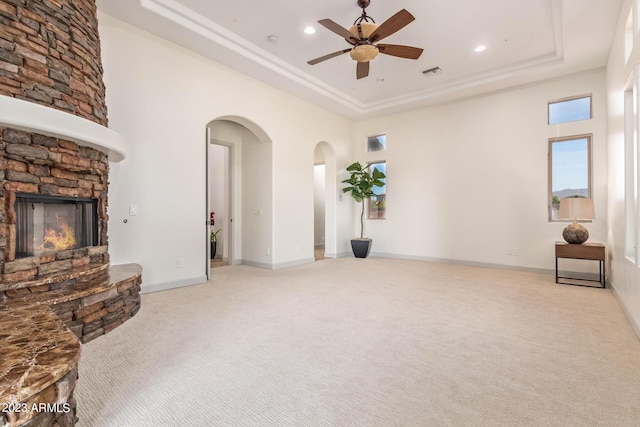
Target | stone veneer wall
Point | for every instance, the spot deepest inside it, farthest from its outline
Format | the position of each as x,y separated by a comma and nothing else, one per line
50,54
99,313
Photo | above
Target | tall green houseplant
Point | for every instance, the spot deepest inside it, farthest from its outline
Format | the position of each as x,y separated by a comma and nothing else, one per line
360,186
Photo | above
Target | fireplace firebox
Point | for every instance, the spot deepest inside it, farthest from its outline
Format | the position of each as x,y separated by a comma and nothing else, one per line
47,223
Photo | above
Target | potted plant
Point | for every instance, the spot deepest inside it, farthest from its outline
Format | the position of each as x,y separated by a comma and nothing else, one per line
213,236
361,184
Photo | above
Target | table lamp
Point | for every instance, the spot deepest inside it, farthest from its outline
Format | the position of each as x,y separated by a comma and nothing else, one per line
576,208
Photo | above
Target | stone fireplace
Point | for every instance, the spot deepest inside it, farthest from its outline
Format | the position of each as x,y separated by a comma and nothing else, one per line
51,223
47,198
57,287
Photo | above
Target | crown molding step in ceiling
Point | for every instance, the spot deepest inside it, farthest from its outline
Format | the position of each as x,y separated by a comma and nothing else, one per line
525,43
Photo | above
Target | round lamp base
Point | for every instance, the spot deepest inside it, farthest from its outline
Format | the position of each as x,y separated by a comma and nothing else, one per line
575,234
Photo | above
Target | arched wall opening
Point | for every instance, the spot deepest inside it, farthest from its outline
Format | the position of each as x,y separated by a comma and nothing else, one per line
239,153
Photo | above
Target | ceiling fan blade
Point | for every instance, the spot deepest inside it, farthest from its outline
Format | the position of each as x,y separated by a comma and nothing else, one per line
362,70
338,29
391,25
329,56
400,51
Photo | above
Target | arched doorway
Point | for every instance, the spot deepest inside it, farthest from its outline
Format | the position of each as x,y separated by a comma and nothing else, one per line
239,154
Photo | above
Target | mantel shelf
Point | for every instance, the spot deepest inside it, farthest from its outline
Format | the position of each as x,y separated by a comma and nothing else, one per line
32,117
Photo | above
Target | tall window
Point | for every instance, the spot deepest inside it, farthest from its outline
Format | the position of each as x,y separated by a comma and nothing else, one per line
378,203
569,110
631,174
569,170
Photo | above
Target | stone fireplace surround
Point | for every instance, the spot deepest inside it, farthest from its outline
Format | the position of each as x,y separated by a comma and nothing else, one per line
54,141
51,302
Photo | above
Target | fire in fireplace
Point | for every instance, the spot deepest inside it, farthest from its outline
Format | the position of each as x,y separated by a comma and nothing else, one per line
52,223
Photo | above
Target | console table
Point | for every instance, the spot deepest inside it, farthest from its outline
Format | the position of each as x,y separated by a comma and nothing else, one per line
587,251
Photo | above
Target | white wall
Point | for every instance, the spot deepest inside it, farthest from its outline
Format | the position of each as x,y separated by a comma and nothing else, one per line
257,218
624,274
467,181
161,98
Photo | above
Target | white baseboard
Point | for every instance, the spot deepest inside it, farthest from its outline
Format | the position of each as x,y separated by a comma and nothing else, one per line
277,266
147,289
635,326
338,254
463,262
294,263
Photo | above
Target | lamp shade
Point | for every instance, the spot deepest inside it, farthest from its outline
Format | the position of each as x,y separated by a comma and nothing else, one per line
580,208
364,53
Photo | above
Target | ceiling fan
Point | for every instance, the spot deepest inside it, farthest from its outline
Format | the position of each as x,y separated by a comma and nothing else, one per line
364,35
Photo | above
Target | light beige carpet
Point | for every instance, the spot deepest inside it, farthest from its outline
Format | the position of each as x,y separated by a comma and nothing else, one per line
375,342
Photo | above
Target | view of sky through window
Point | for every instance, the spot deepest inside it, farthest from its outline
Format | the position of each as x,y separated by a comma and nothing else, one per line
570,110
570,168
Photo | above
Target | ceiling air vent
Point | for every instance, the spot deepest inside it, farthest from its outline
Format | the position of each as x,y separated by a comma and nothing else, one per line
432,71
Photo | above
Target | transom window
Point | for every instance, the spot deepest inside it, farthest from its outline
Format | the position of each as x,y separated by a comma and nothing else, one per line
570,110
377,143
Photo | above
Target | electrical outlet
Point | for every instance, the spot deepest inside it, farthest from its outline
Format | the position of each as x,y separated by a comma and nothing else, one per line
268,252
180,263
516,252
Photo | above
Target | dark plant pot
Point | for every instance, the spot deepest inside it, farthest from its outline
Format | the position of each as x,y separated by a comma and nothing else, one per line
213,249
361,247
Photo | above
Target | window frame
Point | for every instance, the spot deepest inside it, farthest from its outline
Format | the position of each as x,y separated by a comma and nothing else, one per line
589,138
632,170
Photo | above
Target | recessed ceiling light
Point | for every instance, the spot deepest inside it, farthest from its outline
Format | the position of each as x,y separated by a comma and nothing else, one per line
380,80
309,30
480,48
272,39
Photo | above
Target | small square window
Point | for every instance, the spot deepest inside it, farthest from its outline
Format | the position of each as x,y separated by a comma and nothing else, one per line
377,143
570,110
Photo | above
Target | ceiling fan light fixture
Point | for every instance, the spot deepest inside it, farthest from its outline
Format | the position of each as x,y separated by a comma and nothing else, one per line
364,53
364,33
366,27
